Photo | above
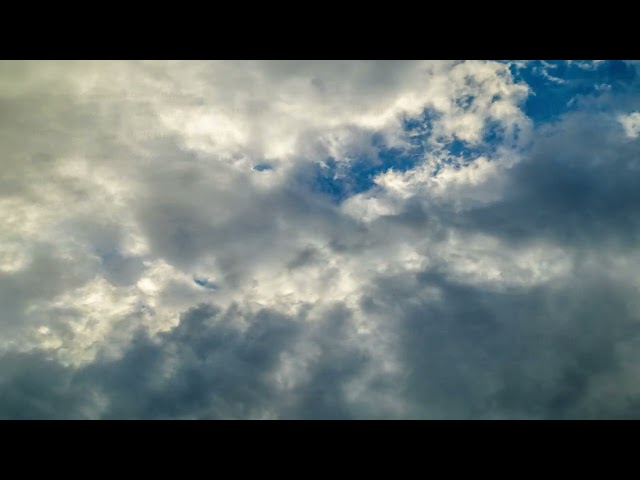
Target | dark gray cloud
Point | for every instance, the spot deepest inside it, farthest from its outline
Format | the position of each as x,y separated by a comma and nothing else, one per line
578,185
206,367
546,352
35,387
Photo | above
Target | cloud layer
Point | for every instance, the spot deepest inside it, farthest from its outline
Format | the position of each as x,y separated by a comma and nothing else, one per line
319,240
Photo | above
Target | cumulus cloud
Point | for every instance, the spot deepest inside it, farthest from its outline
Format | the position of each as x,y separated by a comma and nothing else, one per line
169,248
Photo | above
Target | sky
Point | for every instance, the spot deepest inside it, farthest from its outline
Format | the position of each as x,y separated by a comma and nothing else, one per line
319,239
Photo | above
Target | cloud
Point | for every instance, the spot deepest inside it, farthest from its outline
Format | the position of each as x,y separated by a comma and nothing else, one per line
170,250
559,350
214,364
631,124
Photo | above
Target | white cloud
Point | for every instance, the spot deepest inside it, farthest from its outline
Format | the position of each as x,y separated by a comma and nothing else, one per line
630,124
123,182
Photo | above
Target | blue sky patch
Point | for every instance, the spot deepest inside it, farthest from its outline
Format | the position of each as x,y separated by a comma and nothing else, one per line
261,167
555,87
342,179
204,282
556,84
